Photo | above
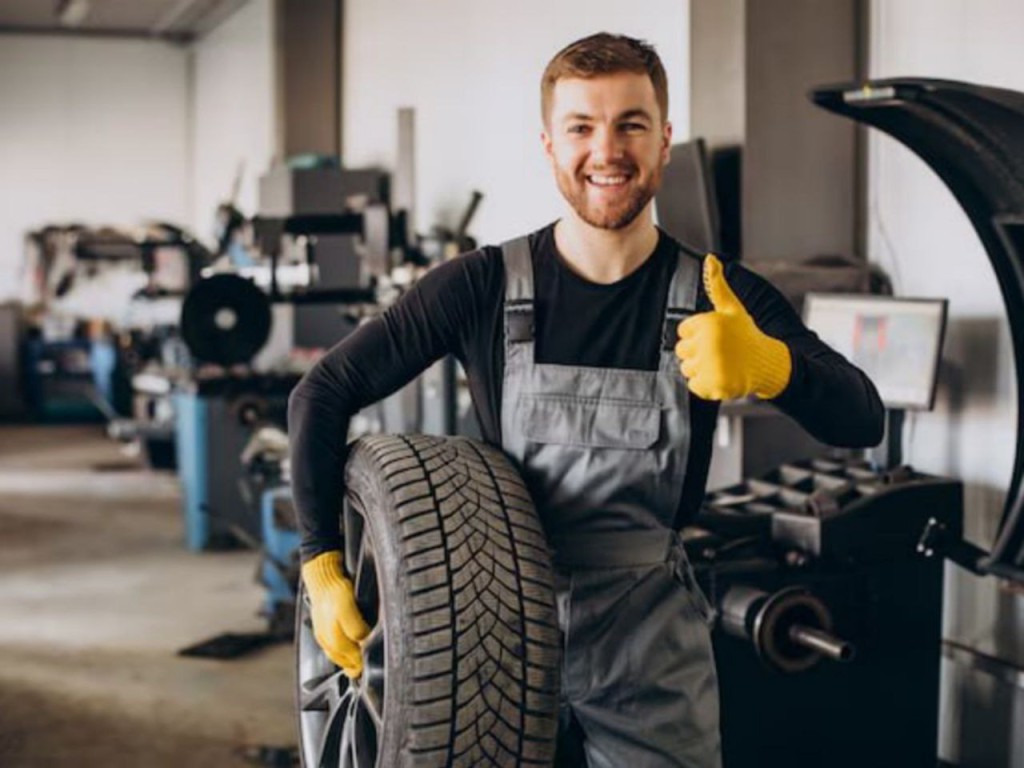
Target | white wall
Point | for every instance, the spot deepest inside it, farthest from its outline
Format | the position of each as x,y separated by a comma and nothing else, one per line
918,232
472,71
233,112
90,131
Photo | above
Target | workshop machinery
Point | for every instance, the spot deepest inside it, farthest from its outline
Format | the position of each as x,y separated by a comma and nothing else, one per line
96,304
332,254
827,574
230,318
266,482
829,615
215,416
829,606
972,136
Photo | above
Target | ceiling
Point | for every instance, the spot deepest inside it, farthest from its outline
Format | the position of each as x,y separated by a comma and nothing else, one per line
175,20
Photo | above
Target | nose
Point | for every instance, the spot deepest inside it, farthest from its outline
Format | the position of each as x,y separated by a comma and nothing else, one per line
606,146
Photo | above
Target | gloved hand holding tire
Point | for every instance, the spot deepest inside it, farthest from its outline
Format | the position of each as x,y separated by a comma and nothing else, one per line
338,624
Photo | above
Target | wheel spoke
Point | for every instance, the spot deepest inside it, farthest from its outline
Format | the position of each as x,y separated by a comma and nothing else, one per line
347,742
359,571
373,663
332,735
373,643
354,745
367,731
371,701
353,532
365,575
360,562
324,692
304,608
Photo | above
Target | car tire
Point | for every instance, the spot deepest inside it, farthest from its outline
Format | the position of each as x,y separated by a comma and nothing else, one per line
453,574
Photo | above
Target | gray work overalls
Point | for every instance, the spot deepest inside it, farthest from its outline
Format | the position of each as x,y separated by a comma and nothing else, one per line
604,452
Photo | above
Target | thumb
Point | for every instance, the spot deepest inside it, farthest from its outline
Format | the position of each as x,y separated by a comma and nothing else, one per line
718,290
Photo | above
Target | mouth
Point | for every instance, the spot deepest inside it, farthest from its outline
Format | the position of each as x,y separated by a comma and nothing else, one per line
611,181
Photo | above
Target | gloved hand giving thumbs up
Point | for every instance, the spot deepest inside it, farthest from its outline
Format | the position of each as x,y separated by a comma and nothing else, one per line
338,626
723,353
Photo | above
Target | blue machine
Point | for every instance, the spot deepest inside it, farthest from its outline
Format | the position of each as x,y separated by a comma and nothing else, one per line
190,416
214,420
279,571
226,503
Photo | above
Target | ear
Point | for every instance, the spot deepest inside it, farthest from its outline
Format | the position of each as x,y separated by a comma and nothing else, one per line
545,140
666,142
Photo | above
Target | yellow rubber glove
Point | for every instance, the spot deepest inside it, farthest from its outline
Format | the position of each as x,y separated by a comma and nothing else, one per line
723,353
338,626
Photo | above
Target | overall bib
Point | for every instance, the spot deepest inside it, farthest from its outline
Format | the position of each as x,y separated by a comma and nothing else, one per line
604,454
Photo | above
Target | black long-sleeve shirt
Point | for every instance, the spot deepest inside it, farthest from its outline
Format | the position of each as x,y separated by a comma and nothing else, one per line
457,308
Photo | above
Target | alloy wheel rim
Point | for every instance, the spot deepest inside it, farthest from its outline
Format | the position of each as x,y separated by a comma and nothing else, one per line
341,721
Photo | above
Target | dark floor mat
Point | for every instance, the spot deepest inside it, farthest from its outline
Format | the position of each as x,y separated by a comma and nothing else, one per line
271,756
127,465
229,645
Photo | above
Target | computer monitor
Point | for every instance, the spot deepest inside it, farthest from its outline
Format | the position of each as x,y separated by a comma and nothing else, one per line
896,342
686,203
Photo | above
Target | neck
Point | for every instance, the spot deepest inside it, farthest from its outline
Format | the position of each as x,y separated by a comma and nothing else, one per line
605,255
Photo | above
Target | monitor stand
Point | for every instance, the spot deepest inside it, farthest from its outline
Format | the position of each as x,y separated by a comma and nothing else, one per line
888,454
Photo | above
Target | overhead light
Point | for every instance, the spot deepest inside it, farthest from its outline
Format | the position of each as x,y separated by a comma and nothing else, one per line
71,13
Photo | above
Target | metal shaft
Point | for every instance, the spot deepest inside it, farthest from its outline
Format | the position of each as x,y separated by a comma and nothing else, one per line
824,643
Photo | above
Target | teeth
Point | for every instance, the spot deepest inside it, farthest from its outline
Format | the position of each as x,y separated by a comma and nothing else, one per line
607,181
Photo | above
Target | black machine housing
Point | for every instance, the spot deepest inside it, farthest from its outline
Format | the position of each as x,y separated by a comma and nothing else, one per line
830,549
833,569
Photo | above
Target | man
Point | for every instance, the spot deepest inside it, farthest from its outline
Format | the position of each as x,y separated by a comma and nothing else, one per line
610,418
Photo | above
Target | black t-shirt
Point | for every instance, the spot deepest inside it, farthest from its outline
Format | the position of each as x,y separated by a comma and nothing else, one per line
457,308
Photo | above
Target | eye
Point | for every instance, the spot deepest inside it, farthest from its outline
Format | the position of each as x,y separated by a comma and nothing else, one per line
633,127
578,128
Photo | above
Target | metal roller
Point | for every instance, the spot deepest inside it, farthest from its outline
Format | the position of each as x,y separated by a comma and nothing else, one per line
791,629
225,319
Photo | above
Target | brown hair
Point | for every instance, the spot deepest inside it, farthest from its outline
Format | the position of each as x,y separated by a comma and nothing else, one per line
604,54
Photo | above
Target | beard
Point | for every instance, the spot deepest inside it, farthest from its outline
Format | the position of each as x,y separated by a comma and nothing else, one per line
617,214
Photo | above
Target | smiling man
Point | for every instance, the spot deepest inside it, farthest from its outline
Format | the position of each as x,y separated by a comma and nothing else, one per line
607,145
582,372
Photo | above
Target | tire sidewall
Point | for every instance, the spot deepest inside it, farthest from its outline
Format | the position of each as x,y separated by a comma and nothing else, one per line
366,491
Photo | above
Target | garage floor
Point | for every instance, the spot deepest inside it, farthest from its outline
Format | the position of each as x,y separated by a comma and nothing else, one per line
97,593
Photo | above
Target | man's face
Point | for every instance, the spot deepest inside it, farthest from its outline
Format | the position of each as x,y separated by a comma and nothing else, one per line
608,142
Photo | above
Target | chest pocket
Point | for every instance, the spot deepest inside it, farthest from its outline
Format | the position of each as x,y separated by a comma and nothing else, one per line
590,422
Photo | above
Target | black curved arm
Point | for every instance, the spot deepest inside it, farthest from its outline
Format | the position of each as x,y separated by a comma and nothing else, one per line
972,136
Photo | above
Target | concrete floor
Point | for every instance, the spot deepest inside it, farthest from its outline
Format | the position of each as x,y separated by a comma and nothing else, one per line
97,593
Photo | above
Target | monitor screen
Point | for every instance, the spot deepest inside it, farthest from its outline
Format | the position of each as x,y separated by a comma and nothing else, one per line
896,342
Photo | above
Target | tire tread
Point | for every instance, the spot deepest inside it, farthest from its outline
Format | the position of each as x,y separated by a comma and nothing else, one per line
477,586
